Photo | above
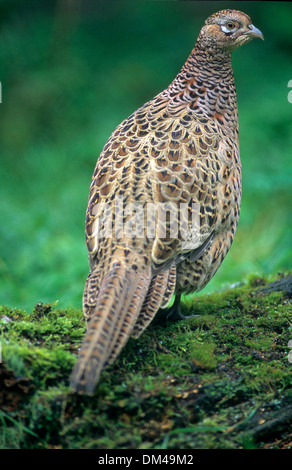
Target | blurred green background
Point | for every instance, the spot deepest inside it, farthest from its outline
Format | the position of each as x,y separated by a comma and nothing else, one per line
71,71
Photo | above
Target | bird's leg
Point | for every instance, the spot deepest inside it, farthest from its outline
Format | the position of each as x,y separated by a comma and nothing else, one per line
173,313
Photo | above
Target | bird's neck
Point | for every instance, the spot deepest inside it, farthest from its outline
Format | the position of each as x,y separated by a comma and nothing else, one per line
205,85
211,64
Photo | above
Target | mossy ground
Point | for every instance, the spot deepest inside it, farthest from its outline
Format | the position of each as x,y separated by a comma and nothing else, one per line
221,379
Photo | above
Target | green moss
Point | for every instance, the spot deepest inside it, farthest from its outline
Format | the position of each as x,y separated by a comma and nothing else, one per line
206,382
203,355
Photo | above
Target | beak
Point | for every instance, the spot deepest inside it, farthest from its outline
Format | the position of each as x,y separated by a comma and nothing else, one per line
254,32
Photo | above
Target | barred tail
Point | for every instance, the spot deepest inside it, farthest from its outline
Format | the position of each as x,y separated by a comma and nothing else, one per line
121,295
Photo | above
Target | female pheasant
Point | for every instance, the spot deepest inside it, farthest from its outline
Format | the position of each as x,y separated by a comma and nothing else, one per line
164,199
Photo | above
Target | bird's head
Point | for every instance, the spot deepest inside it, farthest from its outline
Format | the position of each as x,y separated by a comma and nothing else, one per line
228,29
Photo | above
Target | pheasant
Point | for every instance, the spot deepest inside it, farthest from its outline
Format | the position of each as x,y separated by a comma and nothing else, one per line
164,199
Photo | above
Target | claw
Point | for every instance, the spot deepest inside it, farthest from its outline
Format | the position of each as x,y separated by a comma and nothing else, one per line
173,313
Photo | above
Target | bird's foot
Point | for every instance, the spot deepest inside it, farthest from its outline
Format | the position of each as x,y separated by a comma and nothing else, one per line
172,314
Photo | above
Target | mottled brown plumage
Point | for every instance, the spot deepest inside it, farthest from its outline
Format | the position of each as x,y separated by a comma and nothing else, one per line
173,163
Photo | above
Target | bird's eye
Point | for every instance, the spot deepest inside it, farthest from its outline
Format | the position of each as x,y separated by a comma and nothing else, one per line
230,25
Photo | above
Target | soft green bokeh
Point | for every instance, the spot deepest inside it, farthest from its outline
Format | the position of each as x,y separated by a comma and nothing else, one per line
70,72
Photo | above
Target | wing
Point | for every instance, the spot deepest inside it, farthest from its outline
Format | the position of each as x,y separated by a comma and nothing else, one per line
191,164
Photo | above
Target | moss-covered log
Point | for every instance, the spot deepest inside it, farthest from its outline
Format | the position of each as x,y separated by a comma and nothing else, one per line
221,379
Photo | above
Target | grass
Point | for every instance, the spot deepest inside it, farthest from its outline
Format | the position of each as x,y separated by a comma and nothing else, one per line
218,380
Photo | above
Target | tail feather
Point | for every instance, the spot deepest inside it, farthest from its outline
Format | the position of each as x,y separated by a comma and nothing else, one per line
132,310
119,300
159,294
90,294
171,282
